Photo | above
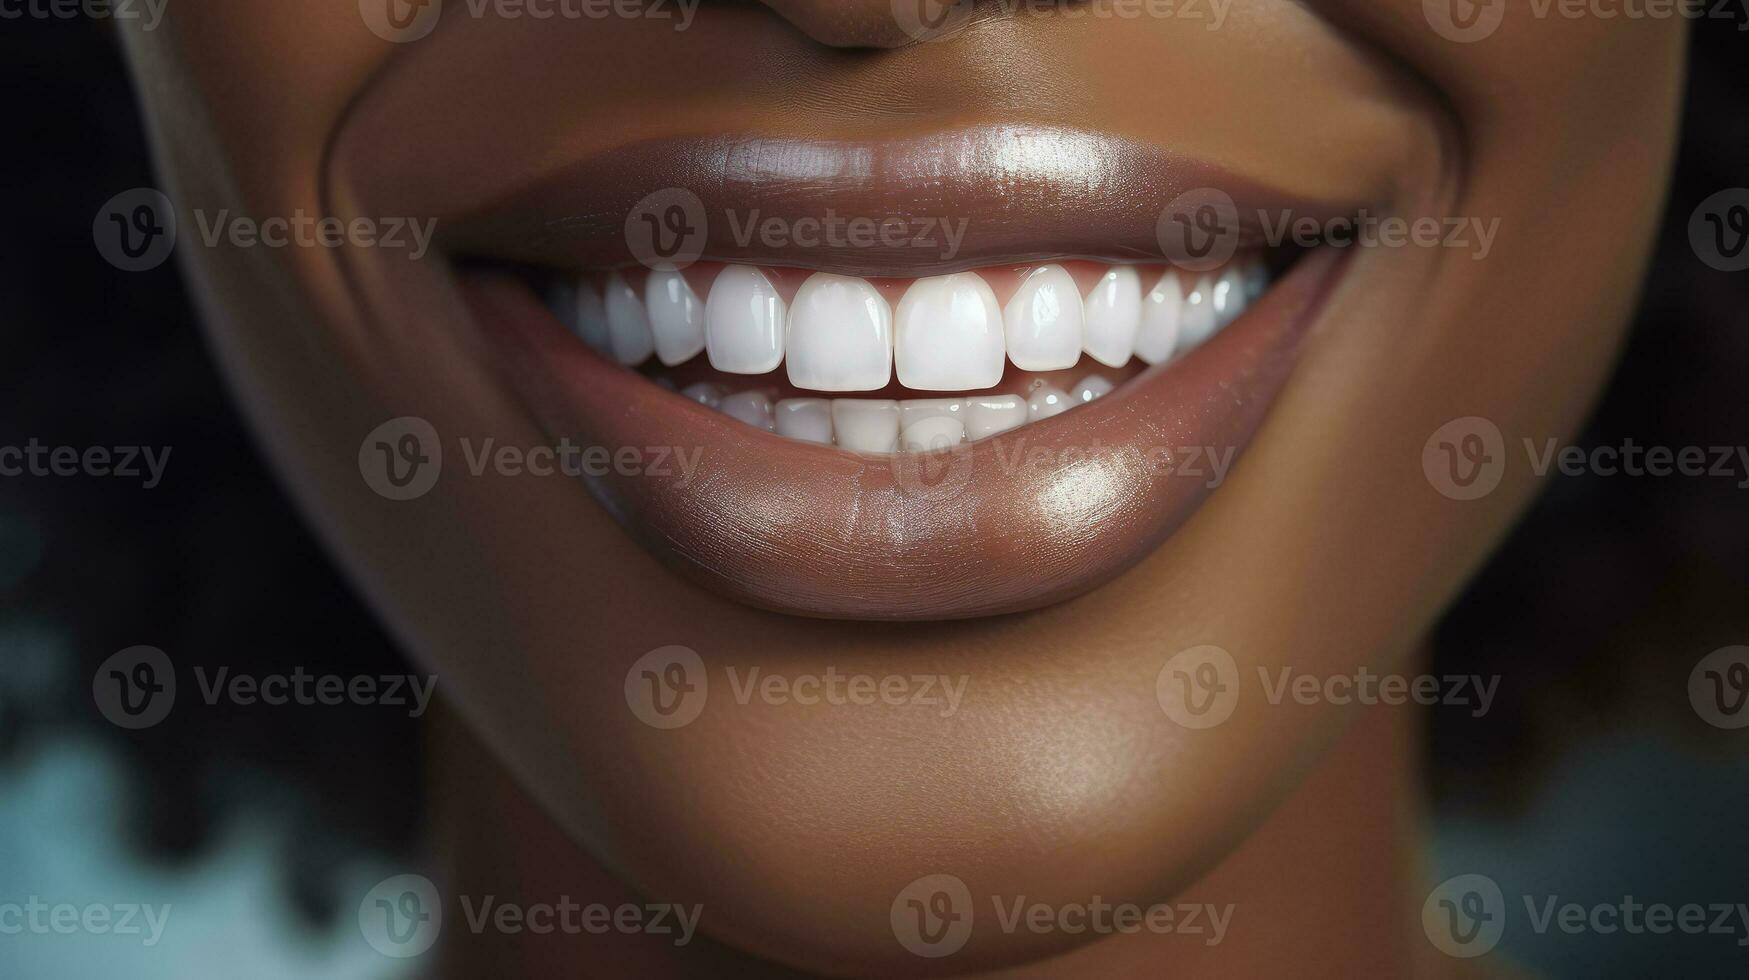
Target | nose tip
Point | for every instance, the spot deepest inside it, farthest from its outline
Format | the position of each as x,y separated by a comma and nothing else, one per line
867,23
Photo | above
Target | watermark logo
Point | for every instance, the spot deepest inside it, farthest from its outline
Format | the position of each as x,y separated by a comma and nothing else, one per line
1718,688
667,229
401,916
1198,688
1465,458
135,688
940,471
932,20
1718,230
135,230
401,459
1464,21
667,687
1199,229
40,918
1465,916
400,21
932,916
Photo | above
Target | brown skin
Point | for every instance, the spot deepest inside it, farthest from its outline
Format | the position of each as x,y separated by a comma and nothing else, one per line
1059,778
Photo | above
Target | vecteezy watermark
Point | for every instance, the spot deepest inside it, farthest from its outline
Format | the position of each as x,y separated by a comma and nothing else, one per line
405,21
123,462
151,12
669,229
1200,230
946,470
667,688
1468,21
1466,916
402,458
1465,459
135,230
135,688
35,917
1718,688
301,230
935,916
402,916
1200,687
1718,229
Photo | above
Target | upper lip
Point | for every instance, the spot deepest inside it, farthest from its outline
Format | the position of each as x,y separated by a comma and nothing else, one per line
1013,194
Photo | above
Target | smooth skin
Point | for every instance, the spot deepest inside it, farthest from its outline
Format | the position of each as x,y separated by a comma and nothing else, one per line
1059,778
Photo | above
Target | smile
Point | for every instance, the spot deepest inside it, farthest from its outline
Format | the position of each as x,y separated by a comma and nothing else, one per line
884,434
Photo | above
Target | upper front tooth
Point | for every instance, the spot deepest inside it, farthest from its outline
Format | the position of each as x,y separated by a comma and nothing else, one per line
628,326
948,335
840,336
676,317
1114,311
1043,321
1197,321
1158,334
744,322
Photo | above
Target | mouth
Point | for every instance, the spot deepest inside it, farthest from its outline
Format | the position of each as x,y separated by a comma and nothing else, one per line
986,435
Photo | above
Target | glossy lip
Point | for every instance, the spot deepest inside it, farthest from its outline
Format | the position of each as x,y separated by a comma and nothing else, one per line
1017,194
981,530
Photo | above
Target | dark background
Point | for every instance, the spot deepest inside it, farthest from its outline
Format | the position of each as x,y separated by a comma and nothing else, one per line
1592,777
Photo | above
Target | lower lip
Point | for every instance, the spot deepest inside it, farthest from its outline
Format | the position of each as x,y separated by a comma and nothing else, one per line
1014,522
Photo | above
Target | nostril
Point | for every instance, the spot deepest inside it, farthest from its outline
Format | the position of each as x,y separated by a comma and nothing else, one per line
857,23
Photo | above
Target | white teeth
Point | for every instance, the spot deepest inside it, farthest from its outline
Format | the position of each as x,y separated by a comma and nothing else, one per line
807,419
628,326
840,336
1158,334
868,425
1197,320
676,317
915,410
1089,388
988,415
1042,323
1114,312
933,433
744,322
948,334
705,393
591,318
1046,401
751,407
1229,297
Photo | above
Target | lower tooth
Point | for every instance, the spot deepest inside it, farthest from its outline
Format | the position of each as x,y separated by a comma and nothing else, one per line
988,415
807,419
932,433
705,393
1046,401
866,425
751,407
1089,388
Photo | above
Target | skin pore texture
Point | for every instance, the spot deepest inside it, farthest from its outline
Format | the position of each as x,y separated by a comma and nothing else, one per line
1059,777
